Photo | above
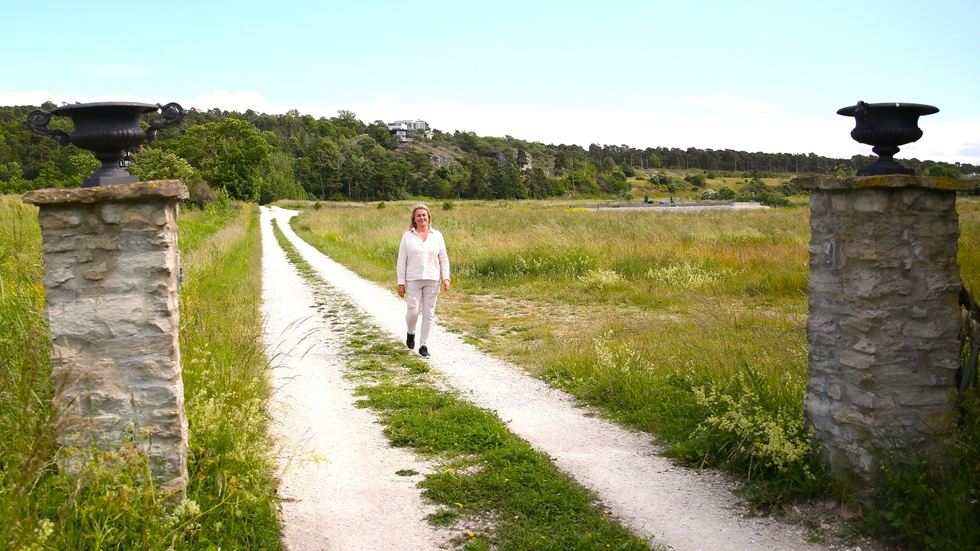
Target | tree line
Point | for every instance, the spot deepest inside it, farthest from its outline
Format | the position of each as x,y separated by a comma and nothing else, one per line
264,157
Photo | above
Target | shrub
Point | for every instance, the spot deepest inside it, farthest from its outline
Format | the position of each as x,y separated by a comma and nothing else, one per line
771,199
696,180
685,275
944,171
201,194
156,164
755,188
726,194
790,187
935,505
757,436
750,425
662,179
601,279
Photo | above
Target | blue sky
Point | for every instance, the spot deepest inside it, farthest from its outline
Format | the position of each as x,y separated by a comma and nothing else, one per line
751,75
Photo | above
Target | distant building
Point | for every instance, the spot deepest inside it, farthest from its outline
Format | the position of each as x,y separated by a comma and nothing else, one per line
406,129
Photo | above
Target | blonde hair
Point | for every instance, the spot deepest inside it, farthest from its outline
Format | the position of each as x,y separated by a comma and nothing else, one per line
416,209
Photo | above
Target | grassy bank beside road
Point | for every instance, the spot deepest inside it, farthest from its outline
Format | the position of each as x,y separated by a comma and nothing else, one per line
231,496
226,384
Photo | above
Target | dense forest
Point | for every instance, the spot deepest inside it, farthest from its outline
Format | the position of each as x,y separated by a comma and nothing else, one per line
259,157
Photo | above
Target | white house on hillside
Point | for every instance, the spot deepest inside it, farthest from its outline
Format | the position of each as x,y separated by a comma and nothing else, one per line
403,128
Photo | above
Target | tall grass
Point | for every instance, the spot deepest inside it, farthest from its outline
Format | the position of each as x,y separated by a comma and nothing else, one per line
969,252
226,385
29,426
112,503
689,325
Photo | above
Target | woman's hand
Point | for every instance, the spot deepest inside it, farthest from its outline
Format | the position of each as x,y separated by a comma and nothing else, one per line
445,285
401,291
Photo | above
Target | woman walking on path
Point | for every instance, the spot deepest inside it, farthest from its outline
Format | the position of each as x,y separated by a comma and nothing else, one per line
422,265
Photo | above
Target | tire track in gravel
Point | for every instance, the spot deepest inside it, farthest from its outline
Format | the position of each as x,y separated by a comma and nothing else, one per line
339,488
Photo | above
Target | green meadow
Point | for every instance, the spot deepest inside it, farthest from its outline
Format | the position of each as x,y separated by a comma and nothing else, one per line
672,322
688,325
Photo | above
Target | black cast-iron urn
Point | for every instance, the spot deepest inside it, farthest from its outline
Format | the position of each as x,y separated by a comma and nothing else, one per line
108,129
886,126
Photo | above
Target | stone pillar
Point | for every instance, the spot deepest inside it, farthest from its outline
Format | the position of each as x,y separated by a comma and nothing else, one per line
110,274
884,319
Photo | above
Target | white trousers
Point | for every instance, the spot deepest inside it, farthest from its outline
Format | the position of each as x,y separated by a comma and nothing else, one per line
421,296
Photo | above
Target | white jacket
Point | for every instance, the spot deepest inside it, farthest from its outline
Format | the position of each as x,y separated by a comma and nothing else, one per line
419,259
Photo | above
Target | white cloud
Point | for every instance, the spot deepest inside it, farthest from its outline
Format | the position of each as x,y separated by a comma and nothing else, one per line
33,97
953,141
37,97
240,101
111,70
726,103
386,98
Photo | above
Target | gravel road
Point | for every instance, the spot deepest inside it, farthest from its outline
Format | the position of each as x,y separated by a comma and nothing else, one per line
339,487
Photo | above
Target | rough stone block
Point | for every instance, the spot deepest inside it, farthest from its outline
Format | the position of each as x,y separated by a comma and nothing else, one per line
111,280
870,202
884,318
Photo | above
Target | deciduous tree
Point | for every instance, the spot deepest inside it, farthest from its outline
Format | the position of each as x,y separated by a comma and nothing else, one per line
228,154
